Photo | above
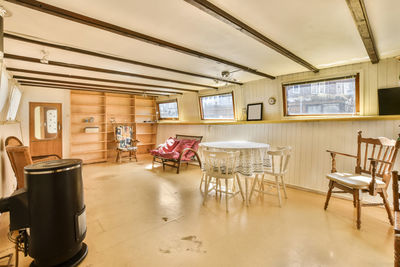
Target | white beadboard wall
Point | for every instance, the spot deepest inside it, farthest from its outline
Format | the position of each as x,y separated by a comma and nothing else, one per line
310,162
310,140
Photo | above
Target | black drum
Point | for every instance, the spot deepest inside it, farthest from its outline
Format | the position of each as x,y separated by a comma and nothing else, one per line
57,215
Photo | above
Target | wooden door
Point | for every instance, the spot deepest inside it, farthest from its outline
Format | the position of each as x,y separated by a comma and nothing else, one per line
45,129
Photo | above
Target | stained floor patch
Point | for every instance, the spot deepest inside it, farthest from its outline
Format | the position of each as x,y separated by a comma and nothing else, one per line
189,243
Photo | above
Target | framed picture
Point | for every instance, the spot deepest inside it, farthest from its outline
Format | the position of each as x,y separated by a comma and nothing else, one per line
254,112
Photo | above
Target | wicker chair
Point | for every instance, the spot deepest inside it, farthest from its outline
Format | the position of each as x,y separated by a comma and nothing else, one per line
20,156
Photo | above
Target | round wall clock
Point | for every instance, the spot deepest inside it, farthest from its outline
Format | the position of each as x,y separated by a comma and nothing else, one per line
272,100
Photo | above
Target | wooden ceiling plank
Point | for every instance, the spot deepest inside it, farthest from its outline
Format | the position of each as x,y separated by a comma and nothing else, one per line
249,31
102,55
89,68
78,77
359,13
27,78
79,18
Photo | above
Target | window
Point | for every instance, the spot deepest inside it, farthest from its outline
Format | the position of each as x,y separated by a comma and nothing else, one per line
168,110
4,91
14,104
332,96
217,107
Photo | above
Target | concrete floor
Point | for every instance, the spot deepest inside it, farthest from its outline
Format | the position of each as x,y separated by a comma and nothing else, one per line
137,216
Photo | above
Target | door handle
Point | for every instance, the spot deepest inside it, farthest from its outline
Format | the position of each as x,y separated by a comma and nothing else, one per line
59,126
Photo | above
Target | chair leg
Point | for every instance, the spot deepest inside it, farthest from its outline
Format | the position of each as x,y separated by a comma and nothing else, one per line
226,195
177,169
278,189
284,187
383,194
358,200
117,158
152,164
397,250
163,165
206,184
202,180
135,153
328,195
253,187
354,201
240,187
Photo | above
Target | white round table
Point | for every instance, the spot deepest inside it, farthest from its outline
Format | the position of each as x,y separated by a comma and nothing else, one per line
253,156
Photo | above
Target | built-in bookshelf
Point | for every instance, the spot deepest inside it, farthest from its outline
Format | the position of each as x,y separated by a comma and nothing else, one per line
98,111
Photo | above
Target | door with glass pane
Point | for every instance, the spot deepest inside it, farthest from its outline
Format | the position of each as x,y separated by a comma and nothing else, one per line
45,129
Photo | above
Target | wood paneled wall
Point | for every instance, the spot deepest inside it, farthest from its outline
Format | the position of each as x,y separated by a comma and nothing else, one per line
310,163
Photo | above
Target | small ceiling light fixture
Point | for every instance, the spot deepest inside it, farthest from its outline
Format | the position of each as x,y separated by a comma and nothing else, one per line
226,75
45,56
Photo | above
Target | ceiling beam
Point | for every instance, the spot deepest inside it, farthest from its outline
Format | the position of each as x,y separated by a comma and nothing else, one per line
78,77
70,87
27,78
359,13
246,29
89,68
120,59
72,16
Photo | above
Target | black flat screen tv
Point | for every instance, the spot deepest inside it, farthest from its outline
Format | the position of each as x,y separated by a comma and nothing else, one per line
389,101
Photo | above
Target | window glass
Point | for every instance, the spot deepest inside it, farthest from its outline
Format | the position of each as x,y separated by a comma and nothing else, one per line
217,107
45,122
4,90
335,96
168,110
14,104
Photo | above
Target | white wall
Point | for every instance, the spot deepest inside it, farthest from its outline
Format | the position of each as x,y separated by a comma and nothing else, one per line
35,94
20,129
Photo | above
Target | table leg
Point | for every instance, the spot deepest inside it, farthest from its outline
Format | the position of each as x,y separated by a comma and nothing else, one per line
247,191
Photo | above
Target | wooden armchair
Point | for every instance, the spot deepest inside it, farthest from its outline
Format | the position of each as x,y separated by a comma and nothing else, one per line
372,172
396,209
125,140
20,156
184,150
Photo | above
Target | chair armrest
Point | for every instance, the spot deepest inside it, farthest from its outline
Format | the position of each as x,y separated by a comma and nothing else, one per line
333,155
189,149
41,158
342,154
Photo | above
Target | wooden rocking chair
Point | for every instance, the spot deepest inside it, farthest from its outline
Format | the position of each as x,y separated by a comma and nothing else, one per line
372,173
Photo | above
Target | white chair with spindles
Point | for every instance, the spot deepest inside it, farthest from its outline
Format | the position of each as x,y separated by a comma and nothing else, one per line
279,158
221,166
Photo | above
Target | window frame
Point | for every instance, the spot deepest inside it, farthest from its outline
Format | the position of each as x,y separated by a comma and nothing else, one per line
357,97
165,102
233,107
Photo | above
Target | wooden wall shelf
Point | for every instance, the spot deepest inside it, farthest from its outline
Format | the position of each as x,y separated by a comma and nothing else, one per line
106,108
